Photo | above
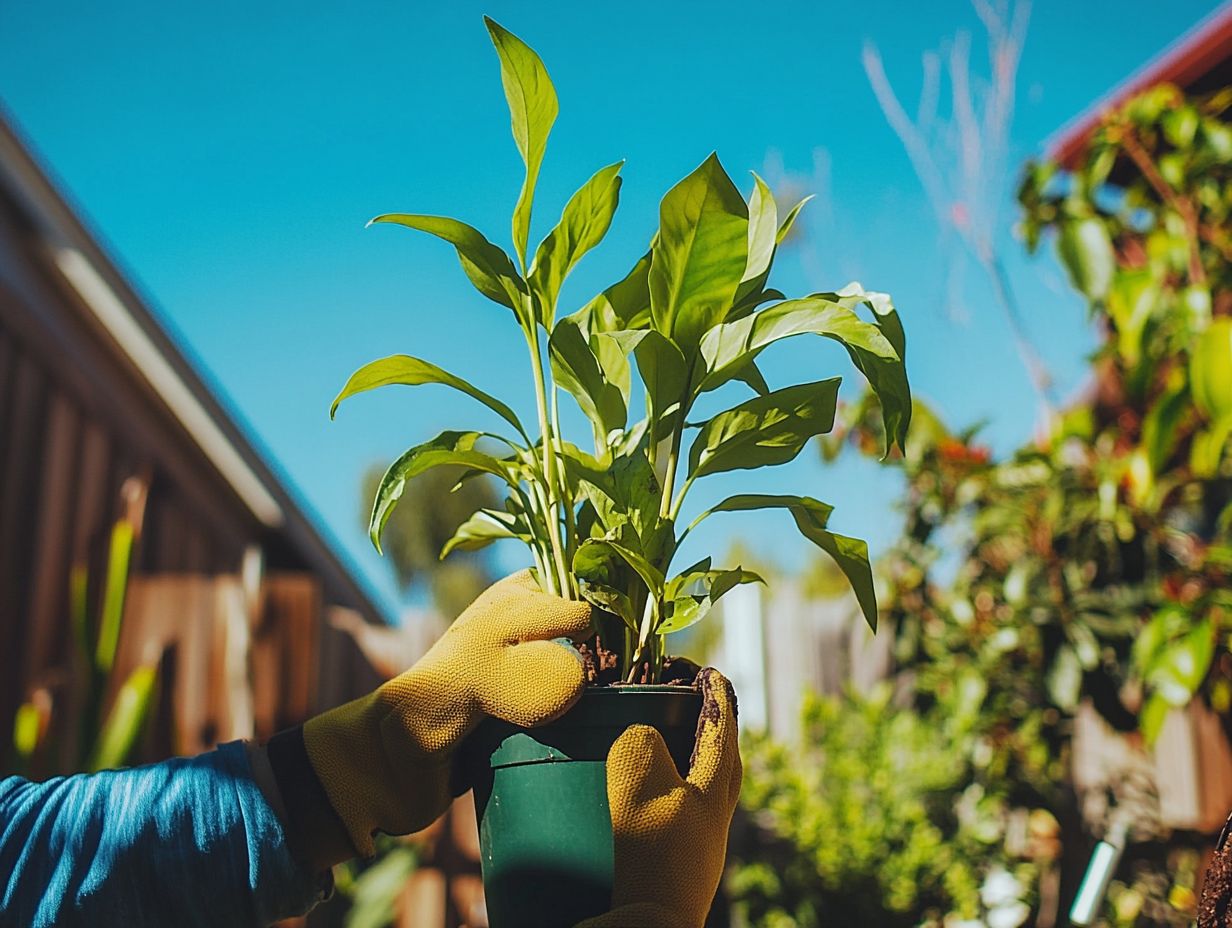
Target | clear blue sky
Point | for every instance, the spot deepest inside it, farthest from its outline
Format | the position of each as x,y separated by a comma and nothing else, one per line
229,154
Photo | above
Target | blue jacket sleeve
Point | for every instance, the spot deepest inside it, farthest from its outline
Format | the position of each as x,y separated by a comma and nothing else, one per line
185,842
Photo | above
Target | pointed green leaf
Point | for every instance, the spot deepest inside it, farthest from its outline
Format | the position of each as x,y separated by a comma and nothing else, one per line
763,227
446,448
578,371
623,305
584,222
811,517
686,609
483,528
765,430
115,589
412,372
664,373
790,220
124,722
886,375
700,255
487,266
532,110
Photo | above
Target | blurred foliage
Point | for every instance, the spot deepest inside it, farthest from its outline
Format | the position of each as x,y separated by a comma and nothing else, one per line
432,507
62,727
1090,565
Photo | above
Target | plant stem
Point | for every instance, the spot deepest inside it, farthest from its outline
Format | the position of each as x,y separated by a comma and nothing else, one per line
551,517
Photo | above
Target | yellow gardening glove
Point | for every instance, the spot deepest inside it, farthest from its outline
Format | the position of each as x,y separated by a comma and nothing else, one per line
671,834
384,760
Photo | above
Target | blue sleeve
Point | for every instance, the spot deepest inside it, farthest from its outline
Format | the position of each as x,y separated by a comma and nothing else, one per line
185,842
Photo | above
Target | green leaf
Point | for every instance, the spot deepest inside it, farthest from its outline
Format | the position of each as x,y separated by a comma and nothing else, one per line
811,516
700,255
585,220
624,305
1086,251
887,376
26,725
765,430
578,370
790,220
1131,301
115,588
125,721
664,373
686,609
727,348
1065,678
483,528
1210,371
1160,427
446,448
532,110
1179,668
1151,719
594,548
487,266
763,230
412,372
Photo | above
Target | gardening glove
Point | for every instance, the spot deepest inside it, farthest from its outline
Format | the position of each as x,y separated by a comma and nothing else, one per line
671,834
384,760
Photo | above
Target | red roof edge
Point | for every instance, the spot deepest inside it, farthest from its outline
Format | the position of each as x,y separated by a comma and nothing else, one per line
1182,63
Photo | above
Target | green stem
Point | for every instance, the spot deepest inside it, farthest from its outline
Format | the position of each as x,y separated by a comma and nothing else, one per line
551,517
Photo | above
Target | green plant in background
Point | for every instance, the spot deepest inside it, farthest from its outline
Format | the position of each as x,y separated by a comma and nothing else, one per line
1092,564
880,815
691,316
101,740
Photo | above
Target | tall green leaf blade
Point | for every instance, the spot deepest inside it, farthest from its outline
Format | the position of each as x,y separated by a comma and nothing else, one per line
583,224
446,448
125,721
765,430
578,370
811,517
763,227
413,372
700,255
487,266
115,587
532,110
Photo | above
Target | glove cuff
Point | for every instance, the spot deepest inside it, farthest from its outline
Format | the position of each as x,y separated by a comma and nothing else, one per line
345,750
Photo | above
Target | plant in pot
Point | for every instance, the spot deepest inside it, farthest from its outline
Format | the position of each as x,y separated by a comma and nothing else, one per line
604,523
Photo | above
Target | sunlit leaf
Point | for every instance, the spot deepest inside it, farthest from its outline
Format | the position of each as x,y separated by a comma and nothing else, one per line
487,266
765,430
406,370
700,255
811,516
532,110
125,721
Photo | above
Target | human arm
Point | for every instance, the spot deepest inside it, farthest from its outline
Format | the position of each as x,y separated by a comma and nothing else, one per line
185,842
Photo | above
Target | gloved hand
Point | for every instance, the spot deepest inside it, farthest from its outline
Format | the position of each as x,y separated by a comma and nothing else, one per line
384,760
671,834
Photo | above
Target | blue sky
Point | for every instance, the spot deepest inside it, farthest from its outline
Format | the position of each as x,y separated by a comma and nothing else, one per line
229,154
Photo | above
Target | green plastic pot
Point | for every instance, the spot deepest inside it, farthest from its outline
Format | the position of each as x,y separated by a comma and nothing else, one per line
545,832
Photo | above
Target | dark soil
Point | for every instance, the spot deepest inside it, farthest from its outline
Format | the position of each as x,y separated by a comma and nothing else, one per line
601,667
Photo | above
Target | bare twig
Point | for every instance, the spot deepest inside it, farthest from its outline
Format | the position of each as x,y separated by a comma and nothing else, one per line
961,162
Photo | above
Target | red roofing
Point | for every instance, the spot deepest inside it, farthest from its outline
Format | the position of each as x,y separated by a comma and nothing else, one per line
1191,62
